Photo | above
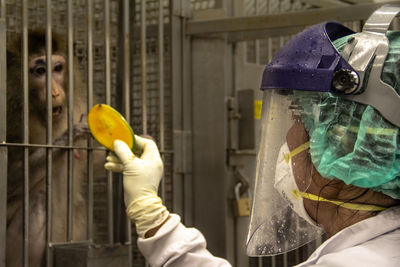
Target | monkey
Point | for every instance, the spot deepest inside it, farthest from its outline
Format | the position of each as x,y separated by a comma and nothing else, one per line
37,155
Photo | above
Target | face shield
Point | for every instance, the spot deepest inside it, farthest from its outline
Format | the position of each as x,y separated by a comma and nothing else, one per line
284,170
310,63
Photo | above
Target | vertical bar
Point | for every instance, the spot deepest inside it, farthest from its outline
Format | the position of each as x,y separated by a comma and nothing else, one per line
49,131
3,9
126,61
89,105
25,86
285,259
3,135
126,91
161,70
110,199
143,64
126,94
107,51
187,113
257,42
70,40
177,98
161,81
273,261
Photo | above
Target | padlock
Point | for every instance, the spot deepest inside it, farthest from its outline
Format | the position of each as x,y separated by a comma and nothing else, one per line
242,203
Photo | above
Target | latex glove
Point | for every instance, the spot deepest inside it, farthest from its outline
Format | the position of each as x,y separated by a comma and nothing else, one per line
142,176
140,173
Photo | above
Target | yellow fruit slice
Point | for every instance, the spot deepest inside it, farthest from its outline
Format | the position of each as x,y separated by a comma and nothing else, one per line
106,125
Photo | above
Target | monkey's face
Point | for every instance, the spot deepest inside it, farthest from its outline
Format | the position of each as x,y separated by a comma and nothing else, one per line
37,84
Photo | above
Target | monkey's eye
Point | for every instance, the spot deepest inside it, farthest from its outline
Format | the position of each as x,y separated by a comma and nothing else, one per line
40,71
58,68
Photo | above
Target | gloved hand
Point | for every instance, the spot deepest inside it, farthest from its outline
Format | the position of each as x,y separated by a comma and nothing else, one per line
142,176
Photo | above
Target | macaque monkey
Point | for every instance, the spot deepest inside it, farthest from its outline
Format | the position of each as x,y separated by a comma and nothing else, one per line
37,155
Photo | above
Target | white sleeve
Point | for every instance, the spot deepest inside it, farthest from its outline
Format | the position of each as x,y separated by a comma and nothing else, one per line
176,245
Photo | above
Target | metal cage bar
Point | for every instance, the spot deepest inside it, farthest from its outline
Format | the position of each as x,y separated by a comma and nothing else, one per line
126,91
3,9
143,64
25,85
49,131
107,56
89,105
110,201
177,110
3,134
126,60
161,83
70,155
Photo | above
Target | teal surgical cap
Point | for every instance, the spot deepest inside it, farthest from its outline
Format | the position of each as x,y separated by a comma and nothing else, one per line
352,141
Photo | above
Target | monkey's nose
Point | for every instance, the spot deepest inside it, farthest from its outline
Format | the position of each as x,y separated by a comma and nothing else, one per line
55,92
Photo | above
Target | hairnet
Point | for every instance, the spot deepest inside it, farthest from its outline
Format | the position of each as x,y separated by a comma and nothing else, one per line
352,141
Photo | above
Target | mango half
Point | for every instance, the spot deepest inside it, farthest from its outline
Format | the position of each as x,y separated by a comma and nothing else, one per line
106,125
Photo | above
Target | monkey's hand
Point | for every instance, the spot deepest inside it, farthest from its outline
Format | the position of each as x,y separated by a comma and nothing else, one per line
142,176
80,130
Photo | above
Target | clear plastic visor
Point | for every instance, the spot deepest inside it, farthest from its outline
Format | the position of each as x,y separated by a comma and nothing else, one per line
274,226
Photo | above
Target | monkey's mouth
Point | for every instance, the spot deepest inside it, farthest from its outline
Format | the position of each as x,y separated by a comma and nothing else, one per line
57,111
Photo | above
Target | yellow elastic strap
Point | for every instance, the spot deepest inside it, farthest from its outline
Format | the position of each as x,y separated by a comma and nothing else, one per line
296,151
377,131
351,206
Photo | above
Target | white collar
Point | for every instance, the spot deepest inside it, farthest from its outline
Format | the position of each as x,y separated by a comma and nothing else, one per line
358,233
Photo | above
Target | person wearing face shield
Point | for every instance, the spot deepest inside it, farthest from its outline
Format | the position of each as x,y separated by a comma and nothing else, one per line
328,160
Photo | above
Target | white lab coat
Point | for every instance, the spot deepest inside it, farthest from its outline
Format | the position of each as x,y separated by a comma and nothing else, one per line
371,242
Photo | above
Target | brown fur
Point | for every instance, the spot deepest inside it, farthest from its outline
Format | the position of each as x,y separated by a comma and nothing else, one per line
37,157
